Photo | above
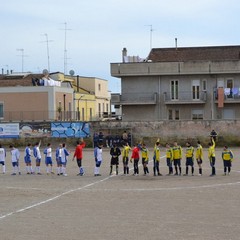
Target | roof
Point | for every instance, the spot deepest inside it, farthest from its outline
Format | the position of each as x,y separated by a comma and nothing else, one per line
215,53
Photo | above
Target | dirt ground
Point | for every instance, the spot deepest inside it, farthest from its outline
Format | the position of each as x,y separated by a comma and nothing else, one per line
120,207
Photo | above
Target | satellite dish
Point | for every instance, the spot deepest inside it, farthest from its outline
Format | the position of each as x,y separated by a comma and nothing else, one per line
71,72
45,72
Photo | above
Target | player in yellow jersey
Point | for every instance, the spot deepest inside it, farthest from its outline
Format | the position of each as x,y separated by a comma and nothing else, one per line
212,156
199,157
156,159
125,157
189,157
227,157
145,158
169,158
177,157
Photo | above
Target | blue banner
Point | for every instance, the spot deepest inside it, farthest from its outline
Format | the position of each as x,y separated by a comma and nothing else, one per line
70,129
9,130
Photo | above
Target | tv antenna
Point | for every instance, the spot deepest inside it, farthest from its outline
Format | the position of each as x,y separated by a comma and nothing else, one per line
151,31
48,56
65,46
22,56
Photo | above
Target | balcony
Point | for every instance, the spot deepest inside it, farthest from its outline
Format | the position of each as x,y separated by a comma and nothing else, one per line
185,97
134,99
230,96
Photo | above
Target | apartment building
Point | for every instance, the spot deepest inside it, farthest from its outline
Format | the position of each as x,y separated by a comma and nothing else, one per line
187,83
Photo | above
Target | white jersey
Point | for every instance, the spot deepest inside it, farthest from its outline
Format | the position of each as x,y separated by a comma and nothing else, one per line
15,155
49,152
98,154
2,155
38,153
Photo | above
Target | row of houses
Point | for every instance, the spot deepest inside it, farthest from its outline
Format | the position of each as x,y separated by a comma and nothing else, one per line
188,83
55,96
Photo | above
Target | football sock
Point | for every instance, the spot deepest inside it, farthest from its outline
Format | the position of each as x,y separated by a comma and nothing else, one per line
186,170
192,170
4,168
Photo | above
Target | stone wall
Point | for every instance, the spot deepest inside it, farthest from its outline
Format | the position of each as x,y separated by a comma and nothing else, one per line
181,131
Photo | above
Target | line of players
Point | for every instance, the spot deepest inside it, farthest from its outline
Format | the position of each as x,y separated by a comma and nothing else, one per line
174,157
61,158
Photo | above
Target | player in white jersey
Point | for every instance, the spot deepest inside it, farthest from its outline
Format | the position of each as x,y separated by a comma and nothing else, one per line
98,159
48,158
2,158
27,159
59,155
38,157
64,159
15,160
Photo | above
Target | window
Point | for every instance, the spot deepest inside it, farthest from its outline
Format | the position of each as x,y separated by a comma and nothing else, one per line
197,114
90,113
173,114
229,89
170,114
1,110
177,115
228,114
174,90
196,89
204,85
99,87
107,107
103,107
99,109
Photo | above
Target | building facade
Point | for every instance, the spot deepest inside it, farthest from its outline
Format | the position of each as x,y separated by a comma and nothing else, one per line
180,84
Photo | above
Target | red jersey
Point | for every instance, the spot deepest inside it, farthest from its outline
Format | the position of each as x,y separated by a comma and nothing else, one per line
79,150
135,153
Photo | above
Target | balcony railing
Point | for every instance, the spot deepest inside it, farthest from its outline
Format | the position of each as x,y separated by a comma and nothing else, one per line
185,97
134,99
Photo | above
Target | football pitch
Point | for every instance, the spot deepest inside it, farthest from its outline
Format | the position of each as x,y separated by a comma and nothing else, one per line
121,207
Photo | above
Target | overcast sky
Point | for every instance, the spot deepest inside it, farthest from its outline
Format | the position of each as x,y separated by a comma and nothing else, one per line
98,30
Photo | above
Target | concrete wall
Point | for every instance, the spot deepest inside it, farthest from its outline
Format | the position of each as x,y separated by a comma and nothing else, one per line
181,131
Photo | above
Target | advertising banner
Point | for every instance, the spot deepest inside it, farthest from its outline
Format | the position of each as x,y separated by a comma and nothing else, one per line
9,130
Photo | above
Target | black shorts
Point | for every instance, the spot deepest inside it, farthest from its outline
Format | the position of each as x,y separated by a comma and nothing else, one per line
227,163
114,161
189,161
177,162
169,162
144,161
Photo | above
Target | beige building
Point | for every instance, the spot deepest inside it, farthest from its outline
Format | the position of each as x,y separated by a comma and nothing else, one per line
98,87
24,98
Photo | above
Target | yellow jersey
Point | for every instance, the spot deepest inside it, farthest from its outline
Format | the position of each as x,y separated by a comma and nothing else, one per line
157,153
227,155
177,152
189,152
211,150
144,152
125,151
199,152
169,153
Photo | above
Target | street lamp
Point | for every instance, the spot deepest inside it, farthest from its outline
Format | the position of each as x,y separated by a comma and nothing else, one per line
78,108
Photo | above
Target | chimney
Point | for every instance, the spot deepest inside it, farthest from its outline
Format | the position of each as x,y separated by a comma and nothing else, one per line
124,54
176,44
2,71
78,83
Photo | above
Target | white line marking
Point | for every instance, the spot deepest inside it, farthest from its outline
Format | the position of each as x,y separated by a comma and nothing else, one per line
164,189
53,198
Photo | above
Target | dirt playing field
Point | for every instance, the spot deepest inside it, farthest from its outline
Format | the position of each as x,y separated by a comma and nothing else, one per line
120,207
